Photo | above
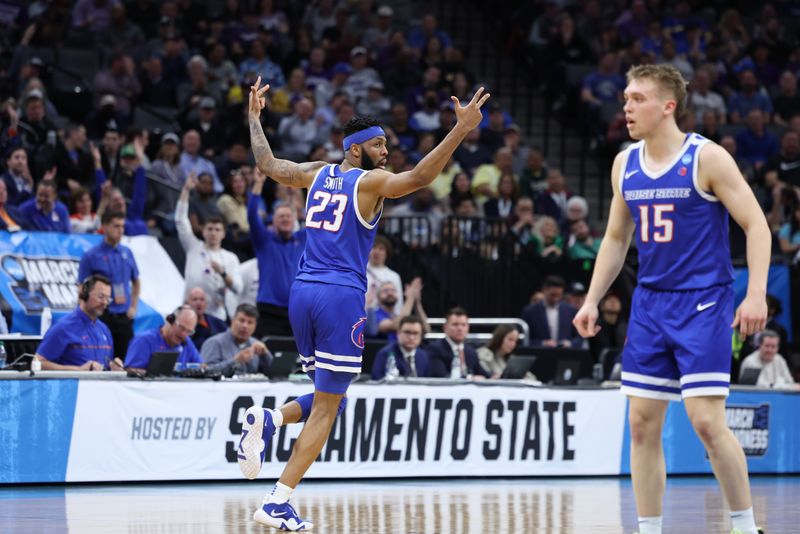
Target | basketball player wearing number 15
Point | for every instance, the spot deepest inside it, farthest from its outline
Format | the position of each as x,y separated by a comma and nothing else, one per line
326,303
674,191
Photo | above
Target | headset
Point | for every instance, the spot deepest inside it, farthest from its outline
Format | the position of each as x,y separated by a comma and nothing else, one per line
172,316
88,284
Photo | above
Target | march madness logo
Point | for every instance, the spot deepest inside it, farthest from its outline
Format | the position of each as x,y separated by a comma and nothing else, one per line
41,282
750,425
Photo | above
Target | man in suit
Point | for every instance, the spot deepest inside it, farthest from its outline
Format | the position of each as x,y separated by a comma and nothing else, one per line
553,200
451,357
405,357
550,320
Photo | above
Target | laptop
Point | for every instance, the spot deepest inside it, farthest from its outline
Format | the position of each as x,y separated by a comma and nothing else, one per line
749,376
567,372
283,363
518,366
162,363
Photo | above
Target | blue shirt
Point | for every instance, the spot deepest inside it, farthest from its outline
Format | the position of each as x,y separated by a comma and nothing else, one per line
277,257
605,87
118,265
681,231
75,339
134,216
143,346
339,240
56,221
755,148
743,103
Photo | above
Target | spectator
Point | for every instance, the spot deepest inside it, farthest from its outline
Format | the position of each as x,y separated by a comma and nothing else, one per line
553,200
374,104
382,319
512,139
193,163
524,221
426,119
534,176
116,262
495,355
249,272
37,132
460,189
428,27
109,152
728,142
208,265
299,132
613,328
80,341
755,143
487,176
749,98
787,162
583,246
258,64
44,212
787,101
17,178
119,80
451,357
547,240
278,252
405,357
550,321
295,88
702,99
74,164
605,85
710,126
470,154
195,88
172,336
167,169
222,75
233,204
507,194
378,273
669,56
575,295
104,118
92,15
362,75
203,203
493,128
157,88
82,219
131,170
213,137
236,351
121,33
10,217
207,325
775,372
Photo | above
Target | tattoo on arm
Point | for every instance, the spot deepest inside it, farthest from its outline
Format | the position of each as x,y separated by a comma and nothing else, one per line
281,170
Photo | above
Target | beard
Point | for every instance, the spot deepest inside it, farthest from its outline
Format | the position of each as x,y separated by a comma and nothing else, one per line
389,303
367,162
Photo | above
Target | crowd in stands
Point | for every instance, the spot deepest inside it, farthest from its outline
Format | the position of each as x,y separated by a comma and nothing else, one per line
155,140
742,63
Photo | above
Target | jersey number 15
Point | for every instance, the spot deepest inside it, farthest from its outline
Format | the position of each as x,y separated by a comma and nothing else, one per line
662,226
315,215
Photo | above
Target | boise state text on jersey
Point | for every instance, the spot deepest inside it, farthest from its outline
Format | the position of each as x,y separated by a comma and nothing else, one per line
338,238
681,230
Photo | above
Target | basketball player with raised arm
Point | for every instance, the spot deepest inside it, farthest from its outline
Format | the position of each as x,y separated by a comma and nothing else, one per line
673,191
326,303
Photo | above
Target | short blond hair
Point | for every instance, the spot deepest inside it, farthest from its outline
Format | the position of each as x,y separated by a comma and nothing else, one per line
666,77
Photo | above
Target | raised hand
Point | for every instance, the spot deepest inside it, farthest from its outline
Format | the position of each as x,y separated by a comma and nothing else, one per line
470,115
257,99
191,182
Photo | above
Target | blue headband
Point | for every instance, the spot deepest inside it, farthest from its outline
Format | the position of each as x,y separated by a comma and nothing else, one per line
362,136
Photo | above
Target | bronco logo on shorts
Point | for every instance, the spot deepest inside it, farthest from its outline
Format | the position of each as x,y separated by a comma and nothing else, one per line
357,335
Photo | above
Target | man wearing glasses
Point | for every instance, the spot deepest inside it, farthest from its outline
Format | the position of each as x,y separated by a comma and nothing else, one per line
80,341
171,336
404,358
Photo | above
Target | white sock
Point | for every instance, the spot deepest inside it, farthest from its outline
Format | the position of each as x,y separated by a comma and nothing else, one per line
277,417
650,525
743,520
279,494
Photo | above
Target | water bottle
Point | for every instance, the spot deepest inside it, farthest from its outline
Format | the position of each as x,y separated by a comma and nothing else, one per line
2,355
36,365
47,320
392,372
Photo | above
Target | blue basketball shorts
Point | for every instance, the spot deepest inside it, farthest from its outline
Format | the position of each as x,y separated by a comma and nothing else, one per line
679,344
328,325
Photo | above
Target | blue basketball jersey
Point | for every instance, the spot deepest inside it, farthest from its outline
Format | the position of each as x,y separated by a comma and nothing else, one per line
681,230
338,240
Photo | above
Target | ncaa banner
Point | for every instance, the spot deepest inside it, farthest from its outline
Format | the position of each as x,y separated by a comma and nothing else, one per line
40,269
179,431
